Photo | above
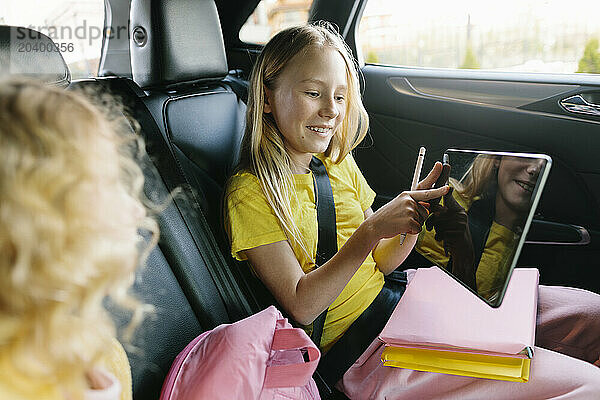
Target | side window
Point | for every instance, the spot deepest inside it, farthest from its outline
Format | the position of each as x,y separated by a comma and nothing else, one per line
549,36
272,16
76,27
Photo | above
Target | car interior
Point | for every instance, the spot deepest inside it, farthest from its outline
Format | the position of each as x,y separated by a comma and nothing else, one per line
187,89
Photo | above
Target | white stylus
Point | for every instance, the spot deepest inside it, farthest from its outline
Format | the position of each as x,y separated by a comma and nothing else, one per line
415,179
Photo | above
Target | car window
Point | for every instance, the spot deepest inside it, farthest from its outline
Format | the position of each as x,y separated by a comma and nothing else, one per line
272,16
76,27
550,36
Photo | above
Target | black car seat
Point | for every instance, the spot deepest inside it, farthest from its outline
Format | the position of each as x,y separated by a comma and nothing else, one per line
192,122
191,109
178,58
178,61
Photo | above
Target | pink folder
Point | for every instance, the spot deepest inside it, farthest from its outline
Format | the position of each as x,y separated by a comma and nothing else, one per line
436,312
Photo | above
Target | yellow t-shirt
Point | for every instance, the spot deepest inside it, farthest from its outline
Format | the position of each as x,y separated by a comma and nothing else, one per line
14,385
493,265
250,222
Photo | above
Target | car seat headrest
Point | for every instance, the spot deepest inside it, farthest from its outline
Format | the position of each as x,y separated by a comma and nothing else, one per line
175,41
29,53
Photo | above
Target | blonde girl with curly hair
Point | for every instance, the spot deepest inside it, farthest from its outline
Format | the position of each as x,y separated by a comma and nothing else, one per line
304,102
70,221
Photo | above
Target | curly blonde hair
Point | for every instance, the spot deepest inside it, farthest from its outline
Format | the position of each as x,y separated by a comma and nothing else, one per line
67,237
263,152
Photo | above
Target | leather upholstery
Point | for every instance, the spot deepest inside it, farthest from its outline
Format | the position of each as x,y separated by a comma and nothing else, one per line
31,54
202,123
181,65
175,280
163,333
175,41
205,130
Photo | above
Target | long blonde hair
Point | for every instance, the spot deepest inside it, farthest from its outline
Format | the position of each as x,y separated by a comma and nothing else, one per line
263,152
65,243
478,179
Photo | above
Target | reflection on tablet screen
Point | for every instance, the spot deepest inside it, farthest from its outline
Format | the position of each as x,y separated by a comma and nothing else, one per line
476,233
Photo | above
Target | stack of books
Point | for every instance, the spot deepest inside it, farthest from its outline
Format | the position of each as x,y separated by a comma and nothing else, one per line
441,326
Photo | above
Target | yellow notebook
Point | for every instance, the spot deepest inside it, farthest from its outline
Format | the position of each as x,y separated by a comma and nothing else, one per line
455,363
439,326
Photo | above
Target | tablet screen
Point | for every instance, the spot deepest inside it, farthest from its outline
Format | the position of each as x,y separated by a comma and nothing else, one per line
477,234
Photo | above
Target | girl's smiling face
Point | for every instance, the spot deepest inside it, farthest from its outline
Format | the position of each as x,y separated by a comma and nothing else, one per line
308,102
517,177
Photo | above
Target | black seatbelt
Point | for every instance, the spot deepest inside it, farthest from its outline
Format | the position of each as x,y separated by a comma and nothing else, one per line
326,248
369,324
327,239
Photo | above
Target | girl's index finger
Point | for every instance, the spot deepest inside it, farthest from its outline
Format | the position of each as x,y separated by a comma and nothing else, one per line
430,179
428,194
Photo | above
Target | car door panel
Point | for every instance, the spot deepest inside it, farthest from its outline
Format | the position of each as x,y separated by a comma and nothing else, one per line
440,109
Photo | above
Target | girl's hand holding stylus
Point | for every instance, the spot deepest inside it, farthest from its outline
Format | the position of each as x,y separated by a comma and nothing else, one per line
404,214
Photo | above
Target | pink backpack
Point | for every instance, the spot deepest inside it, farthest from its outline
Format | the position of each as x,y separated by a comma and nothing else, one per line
260,357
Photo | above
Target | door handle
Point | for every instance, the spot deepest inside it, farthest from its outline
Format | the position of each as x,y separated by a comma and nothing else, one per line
578,105
553,233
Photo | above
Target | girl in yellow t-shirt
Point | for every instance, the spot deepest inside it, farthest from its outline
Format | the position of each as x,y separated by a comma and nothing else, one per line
304,101
70,211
